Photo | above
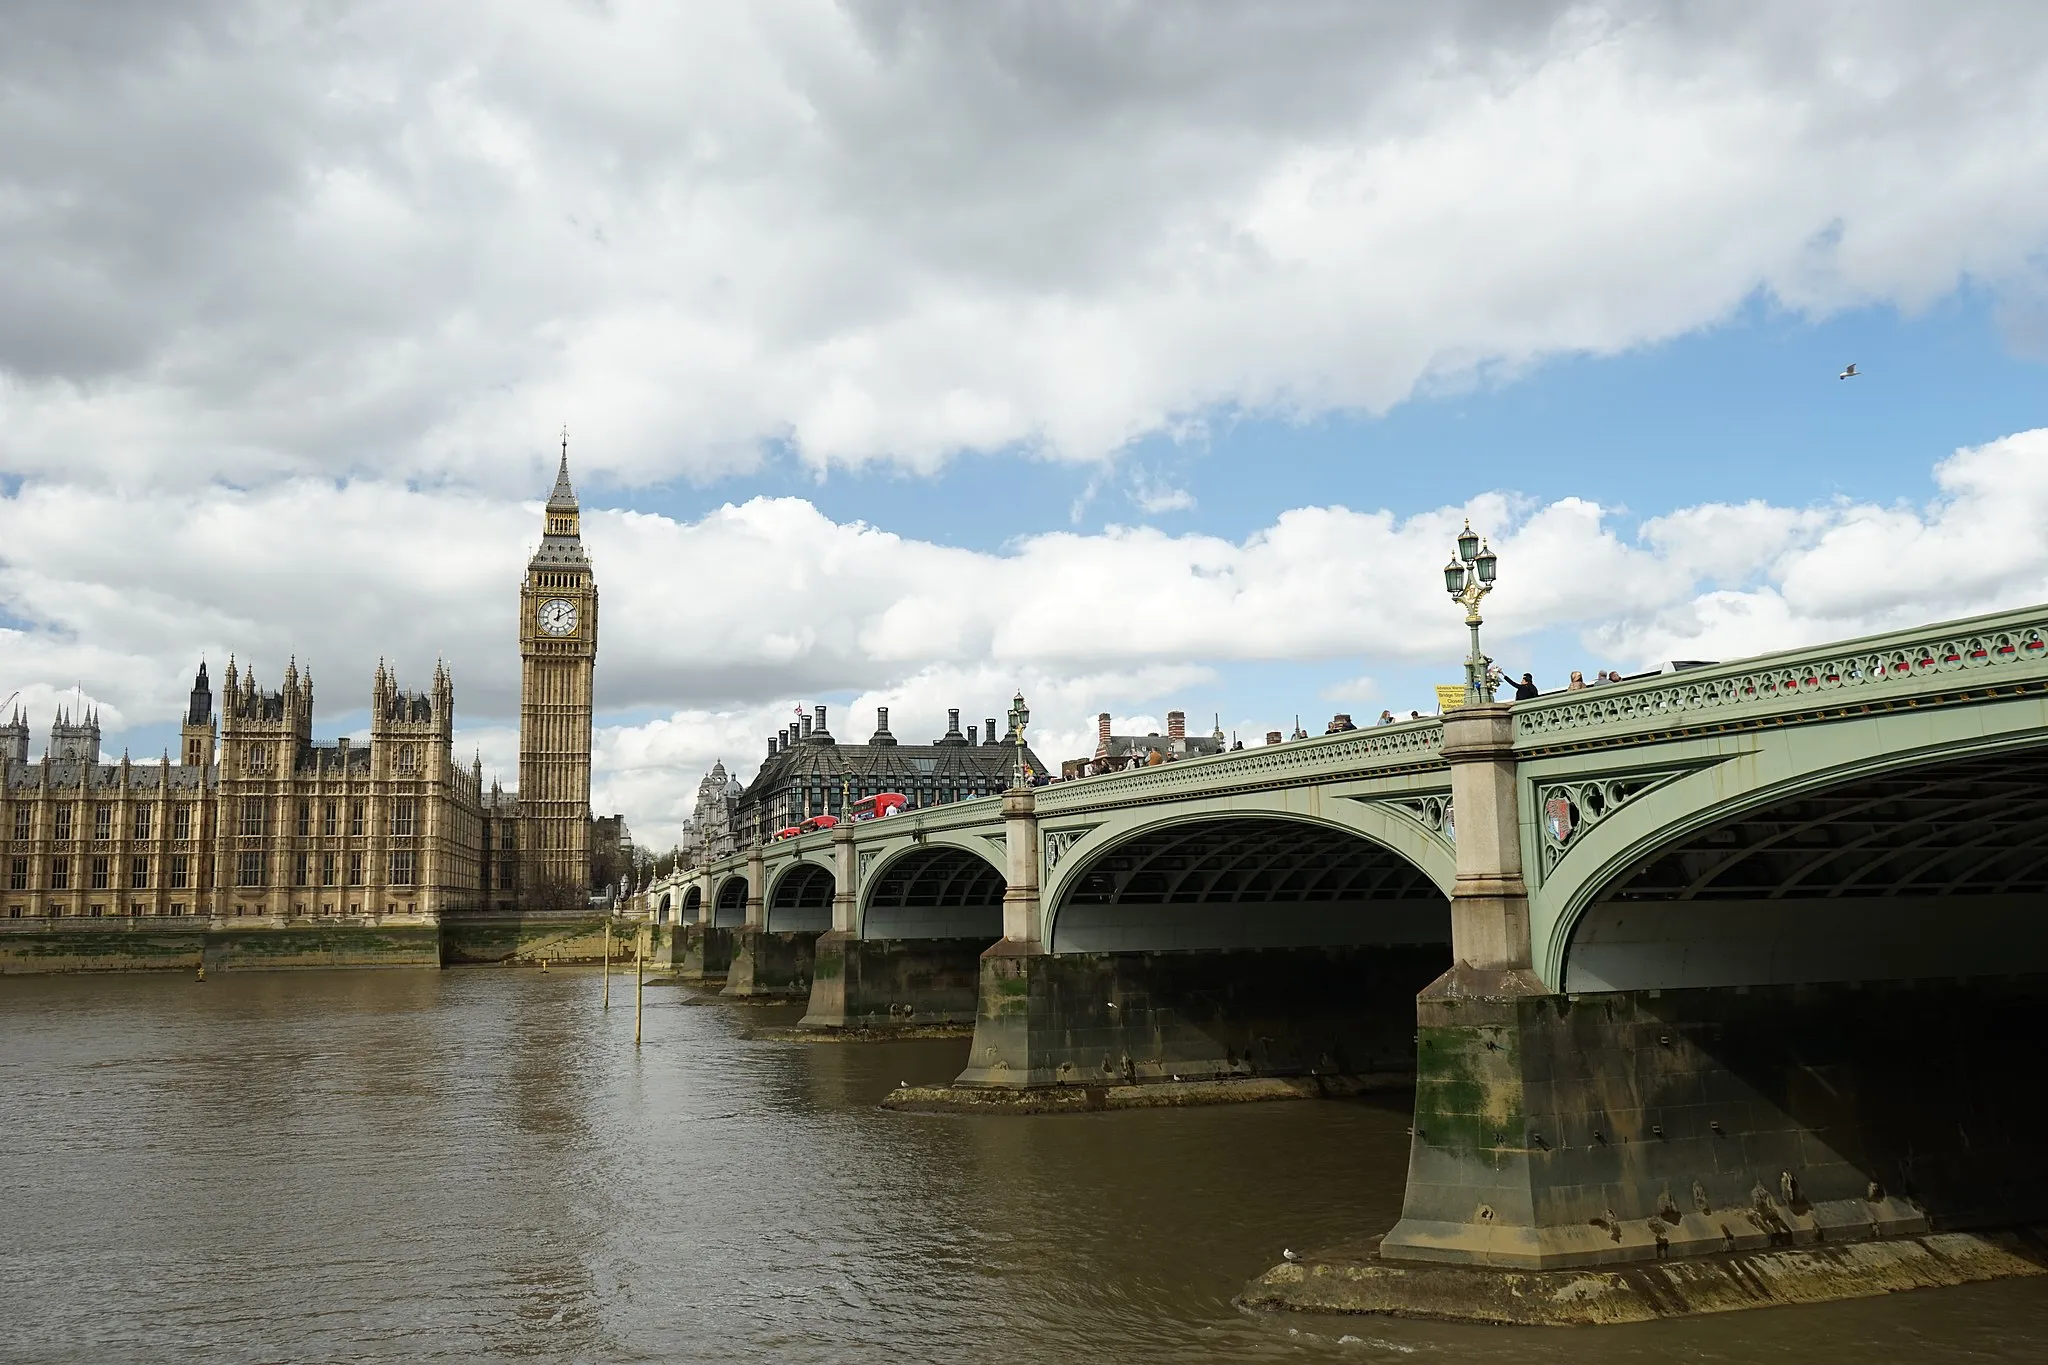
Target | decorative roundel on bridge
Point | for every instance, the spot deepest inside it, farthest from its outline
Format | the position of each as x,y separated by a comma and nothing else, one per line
1559,818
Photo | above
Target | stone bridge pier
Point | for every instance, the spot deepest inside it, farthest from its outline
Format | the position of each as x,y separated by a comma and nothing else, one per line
712,907
1796,1004
772,953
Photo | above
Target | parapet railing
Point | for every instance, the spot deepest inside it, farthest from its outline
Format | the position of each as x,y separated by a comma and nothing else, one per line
1852,672
1403,744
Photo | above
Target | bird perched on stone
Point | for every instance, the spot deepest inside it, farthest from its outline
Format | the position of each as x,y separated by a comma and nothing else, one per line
1849,373
1289,1255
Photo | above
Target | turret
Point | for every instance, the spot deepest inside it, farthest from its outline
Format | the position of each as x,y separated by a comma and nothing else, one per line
195,743
200,712
14,738
79,740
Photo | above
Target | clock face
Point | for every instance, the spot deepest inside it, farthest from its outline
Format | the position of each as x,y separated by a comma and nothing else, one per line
558,616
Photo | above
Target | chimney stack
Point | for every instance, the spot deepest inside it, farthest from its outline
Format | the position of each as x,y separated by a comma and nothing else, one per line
819,728
1176,725
973,734
1273,736
1102,735
991,729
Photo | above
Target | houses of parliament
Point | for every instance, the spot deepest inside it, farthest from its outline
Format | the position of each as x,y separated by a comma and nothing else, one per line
253,819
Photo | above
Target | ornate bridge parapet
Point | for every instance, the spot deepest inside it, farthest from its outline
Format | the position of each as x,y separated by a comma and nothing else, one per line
1957,660
1406,747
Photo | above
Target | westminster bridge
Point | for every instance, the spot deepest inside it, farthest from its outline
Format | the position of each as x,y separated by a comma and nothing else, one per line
1746,955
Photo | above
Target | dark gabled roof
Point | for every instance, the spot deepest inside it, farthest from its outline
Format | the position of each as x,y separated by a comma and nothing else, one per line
805,762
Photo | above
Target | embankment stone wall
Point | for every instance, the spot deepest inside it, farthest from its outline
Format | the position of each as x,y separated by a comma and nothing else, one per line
141,945
535,938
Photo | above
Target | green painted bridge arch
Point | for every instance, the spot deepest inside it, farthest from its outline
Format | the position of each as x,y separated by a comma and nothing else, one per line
943,888
799,897
1364,809
1818,763
1289,870
729,904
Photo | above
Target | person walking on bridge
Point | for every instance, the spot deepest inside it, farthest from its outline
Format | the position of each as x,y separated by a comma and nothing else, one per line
1526,688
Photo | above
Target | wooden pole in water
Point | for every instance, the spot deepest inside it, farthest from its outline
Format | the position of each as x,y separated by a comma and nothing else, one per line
639,988
607,961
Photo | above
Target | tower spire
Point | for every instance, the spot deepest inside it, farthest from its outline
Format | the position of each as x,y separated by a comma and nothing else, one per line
563,498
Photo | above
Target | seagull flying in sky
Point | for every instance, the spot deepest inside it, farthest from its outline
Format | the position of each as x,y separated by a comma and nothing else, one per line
1849,373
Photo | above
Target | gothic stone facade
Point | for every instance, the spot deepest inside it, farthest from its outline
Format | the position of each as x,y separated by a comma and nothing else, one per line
256,820
265,824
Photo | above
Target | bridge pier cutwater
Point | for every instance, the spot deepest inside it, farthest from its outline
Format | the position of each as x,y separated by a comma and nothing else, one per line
1744,958
767,962
1857,1074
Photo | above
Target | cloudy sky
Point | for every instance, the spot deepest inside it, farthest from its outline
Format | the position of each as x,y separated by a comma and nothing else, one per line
1142,356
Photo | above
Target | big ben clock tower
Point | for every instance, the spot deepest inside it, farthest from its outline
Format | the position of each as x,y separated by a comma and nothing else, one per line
558,653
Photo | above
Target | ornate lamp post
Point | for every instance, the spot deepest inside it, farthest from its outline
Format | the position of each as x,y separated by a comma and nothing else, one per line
1020,716
1469,577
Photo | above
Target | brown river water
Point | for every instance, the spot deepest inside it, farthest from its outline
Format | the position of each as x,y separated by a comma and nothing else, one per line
478,1165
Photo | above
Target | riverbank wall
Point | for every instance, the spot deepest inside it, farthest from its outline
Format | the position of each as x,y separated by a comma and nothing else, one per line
533,938
151,944
40,946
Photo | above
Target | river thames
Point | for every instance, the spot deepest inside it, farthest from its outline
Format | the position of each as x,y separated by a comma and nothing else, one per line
478,1165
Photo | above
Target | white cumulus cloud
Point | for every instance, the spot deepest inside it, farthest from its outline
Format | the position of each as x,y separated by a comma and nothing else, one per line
252,243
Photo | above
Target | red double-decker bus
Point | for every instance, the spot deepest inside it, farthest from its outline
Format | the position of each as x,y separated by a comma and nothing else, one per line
876,806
